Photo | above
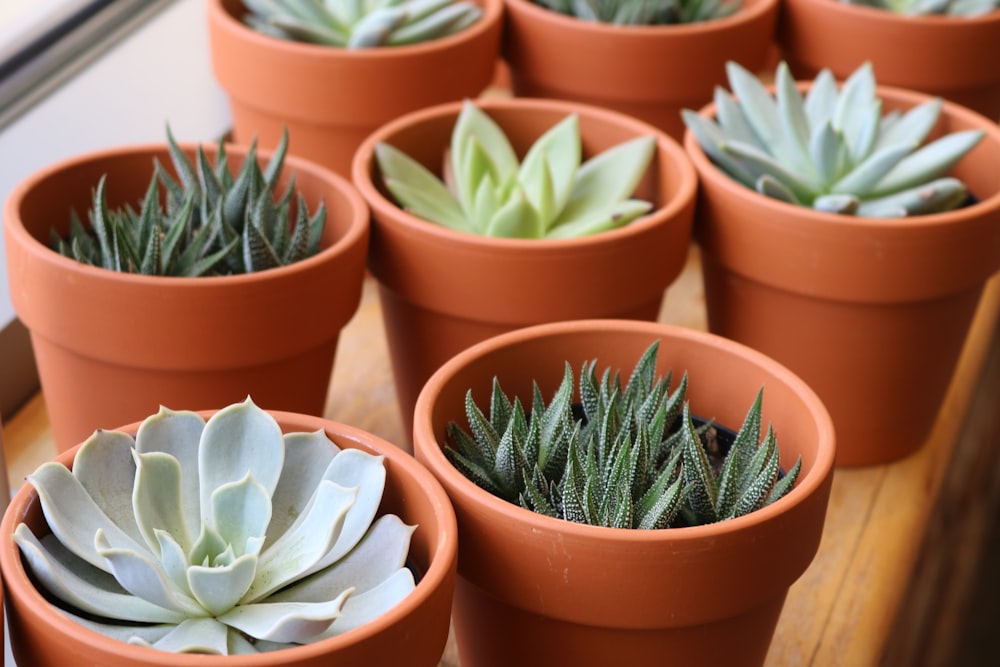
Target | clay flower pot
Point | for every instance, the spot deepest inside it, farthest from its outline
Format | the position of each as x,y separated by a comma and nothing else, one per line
537,590
953,57
872,313
112,347
330,98
442,290
413,632
649,72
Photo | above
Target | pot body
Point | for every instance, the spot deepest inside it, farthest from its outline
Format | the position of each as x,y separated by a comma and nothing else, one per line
871,313
649,72
330,98
112,347
951,57
414,632
576,594
442,290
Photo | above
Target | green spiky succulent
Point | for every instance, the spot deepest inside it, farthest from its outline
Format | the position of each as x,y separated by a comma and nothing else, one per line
643,12
210,224
357,24
550,194
965,8
833,150
627,457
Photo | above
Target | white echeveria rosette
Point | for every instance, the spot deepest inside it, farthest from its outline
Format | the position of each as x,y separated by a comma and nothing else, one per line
222,537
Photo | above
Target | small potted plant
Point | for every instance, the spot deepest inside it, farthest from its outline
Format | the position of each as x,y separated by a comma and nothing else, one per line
551,243
597,523
944,48
219,534
648,60
334,71
113,339
846,231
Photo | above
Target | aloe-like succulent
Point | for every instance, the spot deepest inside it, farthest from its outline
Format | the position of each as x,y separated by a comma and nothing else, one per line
210,224
222,537
644,12
960,8
550,194
357,24
626,457
833,149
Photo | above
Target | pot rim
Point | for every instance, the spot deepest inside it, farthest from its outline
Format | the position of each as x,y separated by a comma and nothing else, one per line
388,212
432,456
439,569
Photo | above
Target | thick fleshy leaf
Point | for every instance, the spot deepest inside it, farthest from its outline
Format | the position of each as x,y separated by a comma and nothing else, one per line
365,607
549,169
175,562
417,189
141,635
177,433
864,177
158,501
106,470
199,635
942,194
794,120
515,219
827,152
294,622
821,99
911,127
74,517
218,589
613,217
711,139
307,456
609,176
474,122
237,440
929,161
761,112
144,577
242,511
82,586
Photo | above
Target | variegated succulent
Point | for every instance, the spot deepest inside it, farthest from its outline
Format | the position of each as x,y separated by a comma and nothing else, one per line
210,223
627,457
222,537
959,8
833,149
644,12
357,24
550,194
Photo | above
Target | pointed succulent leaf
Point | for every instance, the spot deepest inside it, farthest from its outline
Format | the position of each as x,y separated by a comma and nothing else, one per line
417,189
928,162
550,167
106,471
610,176
158,501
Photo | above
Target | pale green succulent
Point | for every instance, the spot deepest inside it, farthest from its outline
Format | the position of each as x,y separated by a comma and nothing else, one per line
626,457
211,223
966,8
549,194
644,12
833,150
357,24
220,537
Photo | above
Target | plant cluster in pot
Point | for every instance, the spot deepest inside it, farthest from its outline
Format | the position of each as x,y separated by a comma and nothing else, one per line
945,48
641,546
445,286
160,310
234,538
649,64
334,71
835,242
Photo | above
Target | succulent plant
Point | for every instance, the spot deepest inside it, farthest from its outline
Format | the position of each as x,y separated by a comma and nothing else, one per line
356,24
966,8
220,537
831,149
627,457
643,12
211,223
549,194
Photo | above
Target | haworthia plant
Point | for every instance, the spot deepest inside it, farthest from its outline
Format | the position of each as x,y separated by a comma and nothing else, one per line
626,457
550,194
209,223
959,8
833,149
644,12
357,24
222,537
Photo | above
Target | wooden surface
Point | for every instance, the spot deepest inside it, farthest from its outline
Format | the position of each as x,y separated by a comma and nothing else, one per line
890,532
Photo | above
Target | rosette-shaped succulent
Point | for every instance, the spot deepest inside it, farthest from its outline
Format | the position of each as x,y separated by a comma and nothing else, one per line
220,537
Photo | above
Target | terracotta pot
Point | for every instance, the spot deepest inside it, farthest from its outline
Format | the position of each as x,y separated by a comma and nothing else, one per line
442,290
872,313
112,347
954,58
649,72
330,98
534,590
414,632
